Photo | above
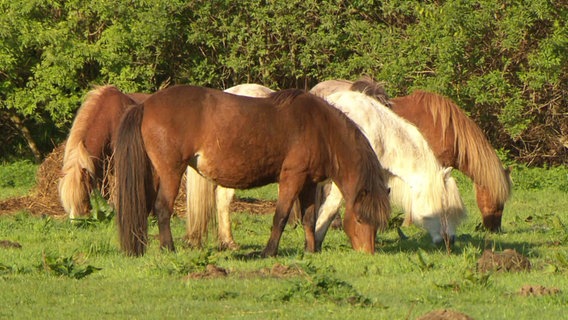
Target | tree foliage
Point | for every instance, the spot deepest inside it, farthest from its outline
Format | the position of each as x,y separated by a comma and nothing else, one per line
504,62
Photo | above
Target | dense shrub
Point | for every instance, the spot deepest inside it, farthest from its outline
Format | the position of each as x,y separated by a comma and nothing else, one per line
504,62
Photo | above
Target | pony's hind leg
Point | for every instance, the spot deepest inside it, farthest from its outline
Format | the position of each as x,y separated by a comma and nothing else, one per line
224,197
163,208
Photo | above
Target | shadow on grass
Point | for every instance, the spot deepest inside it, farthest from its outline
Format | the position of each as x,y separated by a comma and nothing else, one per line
254,252
476,239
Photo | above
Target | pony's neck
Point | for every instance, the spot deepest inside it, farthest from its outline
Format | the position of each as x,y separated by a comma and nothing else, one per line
349,164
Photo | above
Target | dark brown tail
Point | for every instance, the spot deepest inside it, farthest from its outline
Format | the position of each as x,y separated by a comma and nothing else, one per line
134,183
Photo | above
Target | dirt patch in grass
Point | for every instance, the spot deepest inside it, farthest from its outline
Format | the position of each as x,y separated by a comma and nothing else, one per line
9,244
444,314
508,260
530,290
277,271
254,206
44,198
211,271
281,271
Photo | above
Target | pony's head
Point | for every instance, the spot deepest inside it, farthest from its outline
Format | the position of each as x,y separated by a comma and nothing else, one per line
361,234
490,207
439,215
368,212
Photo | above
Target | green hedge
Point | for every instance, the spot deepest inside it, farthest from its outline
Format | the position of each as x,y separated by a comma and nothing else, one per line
504,62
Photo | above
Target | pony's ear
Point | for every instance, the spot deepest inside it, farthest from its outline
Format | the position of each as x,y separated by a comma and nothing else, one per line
448,172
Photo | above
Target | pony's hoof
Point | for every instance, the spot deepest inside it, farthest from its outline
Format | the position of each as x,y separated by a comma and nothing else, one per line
267,253
192,243
229,245
440,241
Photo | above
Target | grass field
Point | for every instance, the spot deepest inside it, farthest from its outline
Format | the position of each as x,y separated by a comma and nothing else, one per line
64,271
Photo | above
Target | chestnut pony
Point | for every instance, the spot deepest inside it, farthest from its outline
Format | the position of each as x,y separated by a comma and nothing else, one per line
291,137
457,141
89,146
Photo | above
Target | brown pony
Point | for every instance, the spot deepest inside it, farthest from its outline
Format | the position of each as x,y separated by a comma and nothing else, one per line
456,140
89,146
291,137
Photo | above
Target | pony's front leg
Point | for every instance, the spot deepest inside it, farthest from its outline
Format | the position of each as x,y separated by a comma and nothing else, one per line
326,214
287,193
278,224
307,203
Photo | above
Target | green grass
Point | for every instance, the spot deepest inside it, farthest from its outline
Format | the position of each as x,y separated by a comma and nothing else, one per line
16,179
403,280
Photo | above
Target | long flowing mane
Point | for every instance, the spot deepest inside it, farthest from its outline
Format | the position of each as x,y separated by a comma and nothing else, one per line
81,122
473,150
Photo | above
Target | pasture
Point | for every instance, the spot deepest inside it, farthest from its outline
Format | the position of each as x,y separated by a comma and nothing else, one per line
51,268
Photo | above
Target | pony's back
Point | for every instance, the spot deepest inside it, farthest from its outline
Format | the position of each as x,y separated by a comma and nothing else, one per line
325,88
392,137
250,90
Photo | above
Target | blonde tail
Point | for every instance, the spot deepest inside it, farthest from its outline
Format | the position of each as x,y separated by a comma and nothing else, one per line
201,206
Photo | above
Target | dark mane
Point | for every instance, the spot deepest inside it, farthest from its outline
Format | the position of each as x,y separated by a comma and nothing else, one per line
373,89
284,97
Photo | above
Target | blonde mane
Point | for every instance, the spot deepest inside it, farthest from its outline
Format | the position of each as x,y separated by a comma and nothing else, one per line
473,150
73,189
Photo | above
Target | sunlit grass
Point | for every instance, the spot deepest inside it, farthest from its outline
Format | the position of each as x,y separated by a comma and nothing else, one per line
403,280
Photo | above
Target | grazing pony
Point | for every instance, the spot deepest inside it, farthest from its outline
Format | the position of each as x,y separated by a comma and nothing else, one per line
89,146
291,137
417,182
457,141
205,197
